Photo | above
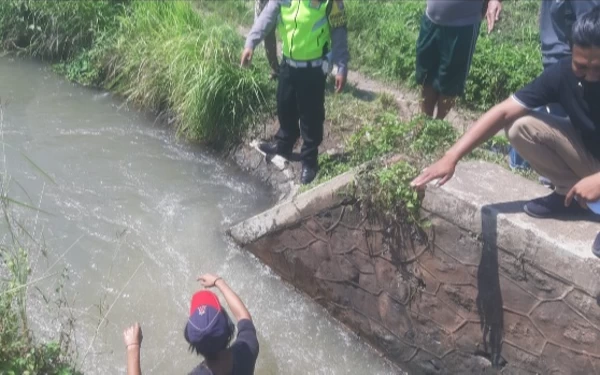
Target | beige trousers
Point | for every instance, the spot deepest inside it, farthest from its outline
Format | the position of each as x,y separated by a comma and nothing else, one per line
553,148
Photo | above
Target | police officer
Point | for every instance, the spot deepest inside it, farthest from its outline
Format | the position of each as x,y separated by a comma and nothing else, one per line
309,29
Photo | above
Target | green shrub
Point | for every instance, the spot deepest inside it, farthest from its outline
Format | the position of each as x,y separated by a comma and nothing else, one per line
20,354
168,57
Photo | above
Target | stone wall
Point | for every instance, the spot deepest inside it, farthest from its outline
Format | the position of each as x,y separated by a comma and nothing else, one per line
488,287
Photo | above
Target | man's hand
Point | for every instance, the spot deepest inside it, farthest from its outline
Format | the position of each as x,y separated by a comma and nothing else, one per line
586,190
246,57
208,280
443,169
340,82
493,13
132,336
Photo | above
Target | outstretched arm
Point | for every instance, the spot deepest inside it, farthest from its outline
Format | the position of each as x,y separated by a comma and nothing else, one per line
339,42
263,24
237,307
486,127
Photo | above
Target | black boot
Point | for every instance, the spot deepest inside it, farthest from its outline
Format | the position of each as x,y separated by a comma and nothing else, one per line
272,148
309,172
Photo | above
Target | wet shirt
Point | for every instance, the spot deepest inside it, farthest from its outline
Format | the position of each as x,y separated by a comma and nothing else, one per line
455,12
558,84
244,351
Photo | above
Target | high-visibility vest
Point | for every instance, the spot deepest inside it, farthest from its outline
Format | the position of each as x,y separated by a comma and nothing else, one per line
304,29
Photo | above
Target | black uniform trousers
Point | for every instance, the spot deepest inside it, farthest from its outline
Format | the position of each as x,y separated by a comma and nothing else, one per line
301,110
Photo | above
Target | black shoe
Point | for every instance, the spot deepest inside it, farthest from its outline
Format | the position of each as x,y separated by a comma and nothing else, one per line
273,149
596,246
308,174
552,205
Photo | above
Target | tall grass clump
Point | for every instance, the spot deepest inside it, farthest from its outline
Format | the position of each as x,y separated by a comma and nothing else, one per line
167,57
55,29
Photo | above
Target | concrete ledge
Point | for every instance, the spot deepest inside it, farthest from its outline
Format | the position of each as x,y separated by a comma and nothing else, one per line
494,285
290,211
486,198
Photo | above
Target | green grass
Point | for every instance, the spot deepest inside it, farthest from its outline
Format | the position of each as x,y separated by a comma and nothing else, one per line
503,62
237,12
168,57
55,30
20,352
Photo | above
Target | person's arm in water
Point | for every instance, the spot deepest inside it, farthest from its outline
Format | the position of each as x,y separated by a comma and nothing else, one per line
132,337
237,307
486,127
262,26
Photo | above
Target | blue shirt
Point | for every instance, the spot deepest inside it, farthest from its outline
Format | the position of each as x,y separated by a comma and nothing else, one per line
556,20
244,351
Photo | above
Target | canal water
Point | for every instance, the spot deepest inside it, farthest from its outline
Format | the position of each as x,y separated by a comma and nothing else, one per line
135,215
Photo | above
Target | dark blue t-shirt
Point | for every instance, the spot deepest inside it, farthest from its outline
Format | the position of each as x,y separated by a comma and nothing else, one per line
244,351
580,99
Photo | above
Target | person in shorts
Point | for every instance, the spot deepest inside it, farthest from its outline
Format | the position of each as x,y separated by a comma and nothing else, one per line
445,47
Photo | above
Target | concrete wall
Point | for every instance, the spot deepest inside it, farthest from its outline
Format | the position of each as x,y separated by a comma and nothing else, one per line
490,284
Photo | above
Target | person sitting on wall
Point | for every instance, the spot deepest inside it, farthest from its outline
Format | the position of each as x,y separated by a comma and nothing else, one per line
209,331
556,22
566,151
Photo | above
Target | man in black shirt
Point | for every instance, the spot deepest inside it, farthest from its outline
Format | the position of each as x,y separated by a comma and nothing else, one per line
566,151
209,332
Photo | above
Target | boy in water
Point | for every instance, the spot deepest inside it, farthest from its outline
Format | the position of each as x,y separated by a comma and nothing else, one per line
209,332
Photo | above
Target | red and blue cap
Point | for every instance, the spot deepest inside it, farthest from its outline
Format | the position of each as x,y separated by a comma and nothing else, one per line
208,328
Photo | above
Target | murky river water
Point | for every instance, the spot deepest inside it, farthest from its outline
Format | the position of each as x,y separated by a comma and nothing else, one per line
143,215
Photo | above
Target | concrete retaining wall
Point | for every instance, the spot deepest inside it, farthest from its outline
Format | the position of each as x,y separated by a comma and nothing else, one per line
491,284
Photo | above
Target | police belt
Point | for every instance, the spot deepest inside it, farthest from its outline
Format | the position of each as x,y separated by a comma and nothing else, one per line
303,64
